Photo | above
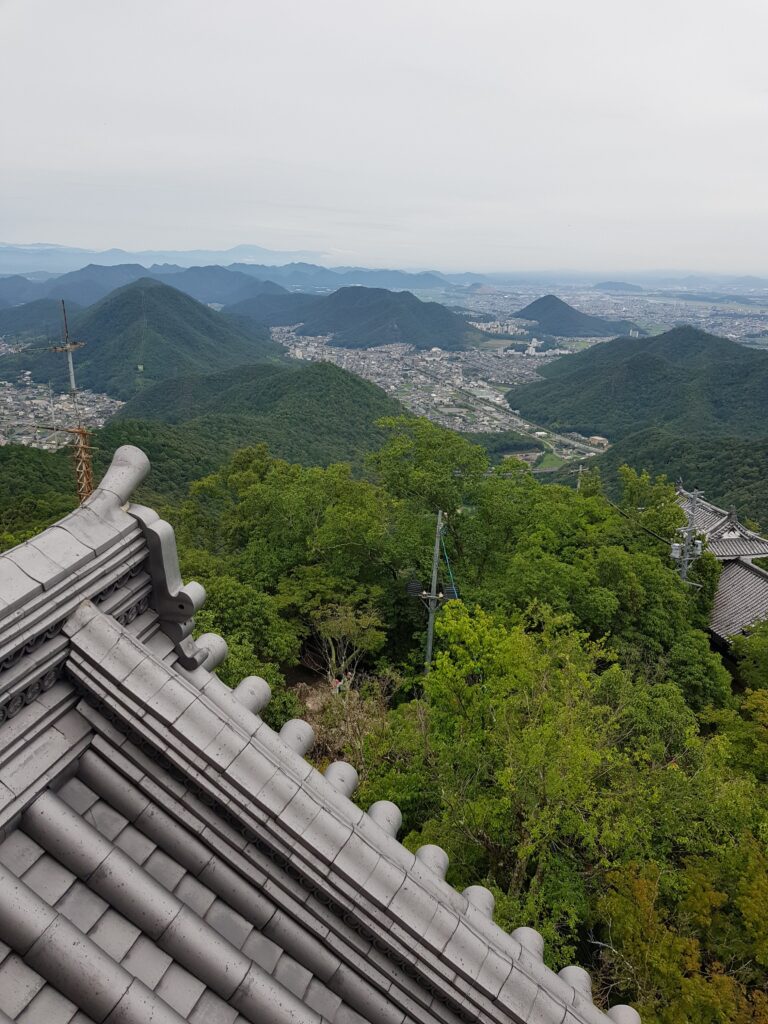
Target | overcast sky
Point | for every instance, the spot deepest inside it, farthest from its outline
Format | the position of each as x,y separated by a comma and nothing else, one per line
481,134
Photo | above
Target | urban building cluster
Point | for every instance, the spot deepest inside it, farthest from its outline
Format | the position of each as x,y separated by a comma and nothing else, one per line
464,390
35,415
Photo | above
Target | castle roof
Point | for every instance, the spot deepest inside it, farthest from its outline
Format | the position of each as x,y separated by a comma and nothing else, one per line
166,856
726,537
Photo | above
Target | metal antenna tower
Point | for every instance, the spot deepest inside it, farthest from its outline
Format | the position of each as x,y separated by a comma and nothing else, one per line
82,436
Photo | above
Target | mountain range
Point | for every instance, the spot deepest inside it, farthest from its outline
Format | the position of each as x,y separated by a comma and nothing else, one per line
210,284
87,285
555,317
58,259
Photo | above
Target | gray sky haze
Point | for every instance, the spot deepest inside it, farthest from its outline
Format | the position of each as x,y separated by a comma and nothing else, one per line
492,135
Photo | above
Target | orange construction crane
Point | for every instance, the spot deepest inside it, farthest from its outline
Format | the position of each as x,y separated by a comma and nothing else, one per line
81,454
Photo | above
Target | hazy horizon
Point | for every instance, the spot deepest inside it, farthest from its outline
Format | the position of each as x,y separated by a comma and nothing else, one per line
536,137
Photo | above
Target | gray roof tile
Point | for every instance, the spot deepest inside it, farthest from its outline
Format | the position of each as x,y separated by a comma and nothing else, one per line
114,934
48,879
135,844
194,894
165,869
180,989
48,1007
145,961
105,819
228,922
262,950
77,795
212,1010
18,985
741,599
19,852
291,974
81,906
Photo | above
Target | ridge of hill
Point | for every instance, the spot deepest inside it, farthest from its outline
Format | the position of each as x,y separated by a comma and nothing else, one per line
94,282
310,275
359,317
557,318
217,284
313,413
15,289
621,287
41,317
685,380
91,283
274,310
143,333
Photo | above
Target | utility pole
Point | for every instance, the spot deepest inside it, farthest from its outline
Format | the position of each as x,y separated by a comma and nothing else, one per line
434,599
690,549
438,592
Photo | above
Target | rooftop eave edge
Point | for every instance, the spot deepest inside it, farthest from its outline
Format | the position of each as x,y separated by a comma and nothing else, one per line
128,468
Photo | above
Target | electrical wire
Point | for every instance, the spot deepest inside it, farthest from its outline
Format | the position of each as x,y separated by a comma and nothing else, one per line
626,515
448,565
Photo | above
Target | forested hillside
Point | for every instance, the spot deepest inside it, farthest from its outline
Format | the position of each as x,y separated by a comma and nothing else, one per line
685,380
141,334
685,403
313,414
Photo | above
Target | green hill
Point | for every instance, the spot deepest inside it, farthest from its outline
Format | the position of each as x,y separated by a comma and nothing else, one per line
557,318
313,413
91,283
687,381
141,334
360,317
15,289
365,317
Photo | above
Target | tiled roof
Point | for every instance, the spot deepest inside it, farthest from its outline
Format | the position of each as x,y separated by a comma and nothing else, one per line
726,537
741,599
168,857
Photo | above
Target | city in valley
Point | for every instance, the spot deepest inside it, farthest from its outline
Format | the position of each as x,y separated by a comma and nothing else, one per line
466,389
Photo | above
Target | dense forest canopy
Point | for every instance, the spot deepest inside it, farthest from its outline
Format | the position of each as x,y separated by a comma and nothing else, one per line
577,746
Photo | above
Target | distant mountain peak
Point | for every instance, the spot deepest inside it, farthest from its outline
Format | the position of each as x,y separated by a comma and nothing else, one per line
554,316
